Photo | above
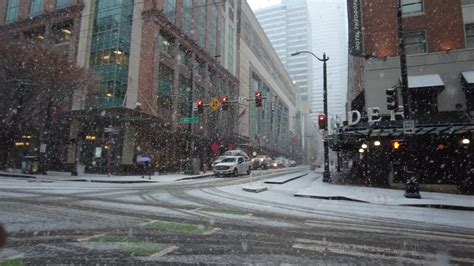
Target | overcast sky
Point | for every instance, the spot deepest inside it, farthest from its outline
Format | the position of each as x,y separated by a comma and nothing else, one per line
257,4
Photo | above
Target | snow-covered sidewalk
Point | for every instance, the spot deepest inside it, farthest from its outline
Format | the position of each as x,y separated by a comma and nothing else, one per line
66,176
321,190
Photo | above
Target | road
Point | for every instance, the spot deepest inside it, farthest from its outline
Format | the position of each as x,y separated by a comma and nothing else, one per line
212,221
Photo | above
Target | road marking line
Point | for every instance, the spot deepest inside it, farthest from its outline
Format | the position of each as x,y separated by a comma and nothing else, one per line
89,237
211,231
164,252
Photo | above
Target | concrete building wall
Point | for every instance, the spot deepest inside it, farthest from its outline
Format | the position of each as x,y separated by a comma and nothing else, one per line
381,75
258,57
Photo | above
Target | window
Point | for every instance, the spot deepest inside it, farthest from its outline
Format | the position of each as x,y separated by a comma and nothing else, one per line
188,17
412,6
62,4
415,42
36,8
202,23
170,10
165,86
184,57
470,35
213,31
230,51
166,45
62,32
184,95
12,11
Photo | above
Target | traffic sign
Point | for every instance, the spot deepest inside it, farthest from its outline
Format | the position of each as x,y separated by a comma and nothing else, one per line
215,104
409,127
189,120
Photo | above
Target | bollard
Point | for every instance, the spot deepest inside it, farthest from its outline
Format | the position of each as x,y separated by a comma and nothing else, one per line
413,188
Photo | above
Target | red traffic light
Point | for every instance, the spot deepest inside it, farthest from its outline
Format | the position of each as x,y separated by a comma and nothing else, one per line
200,106
225,102
322,122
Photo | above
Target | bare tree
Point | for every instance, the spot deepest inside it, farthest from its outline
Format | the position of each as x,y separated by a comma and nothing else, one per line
35,84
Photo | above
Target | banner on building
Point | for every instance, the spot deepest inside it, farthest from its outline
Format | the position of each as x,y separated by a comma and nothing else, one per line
354,18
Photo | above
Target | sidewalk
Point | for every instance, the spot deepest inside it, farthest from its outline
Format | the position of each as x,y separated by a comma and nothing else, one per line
66,176
330,191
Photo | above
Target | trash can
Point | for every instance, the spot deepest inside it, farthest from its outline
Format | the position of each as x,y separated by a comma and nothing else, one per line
192,166
30,164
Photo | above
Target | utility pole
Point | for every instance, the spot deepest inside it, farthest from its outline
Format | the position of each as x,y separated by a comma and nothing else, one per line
326,174
403,65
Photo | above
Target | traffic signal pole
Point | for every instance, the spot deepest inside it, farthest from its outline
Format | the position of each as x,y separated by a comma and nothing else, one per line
403,65
326,174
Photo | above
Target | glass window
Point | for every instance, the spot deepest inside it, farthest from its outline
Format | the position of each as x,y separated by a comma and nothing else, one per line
36,8
170,10
62,32
188,17
415,42
165,86
213,32
12,11
166,45
230,51
202,22
412,6
62,4
470,35
184,95
184,57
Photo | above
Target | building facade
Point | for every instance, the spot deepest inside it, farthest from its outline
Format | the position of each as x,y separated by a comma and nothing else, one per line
153,60
271,127
288,28
440,68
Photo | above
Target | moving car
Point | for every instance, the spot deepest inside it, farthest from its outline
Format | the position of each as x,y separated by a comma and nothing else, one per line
233,165
280,162
262,161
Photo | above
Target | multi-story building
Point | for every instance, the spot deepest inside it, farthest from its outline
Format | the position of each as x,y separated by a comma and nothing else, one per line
288,28
271,127
329,35
153,60
440,63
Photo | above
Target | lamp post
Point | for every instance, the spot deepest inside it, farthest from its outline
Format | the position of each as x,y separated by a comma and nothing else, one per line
326,174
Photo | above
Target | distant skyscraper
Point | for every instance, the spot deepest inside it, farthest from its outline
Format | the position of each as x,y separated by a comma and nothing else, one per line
329,31
287,26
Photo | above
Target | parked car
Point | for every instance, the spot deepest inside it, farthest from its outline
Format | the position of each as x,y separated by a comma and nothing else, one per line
218,160
233,165
262,161
315,164
237,153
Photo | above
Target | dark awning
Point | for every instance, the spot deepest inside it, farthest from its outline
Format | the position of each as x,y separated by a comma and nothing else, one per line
425,81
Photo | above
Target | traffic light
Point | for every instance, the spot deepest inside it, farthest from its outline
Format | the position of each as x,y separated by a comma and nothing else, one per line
398,145
392,98
322,121
225,103
258,99
200,106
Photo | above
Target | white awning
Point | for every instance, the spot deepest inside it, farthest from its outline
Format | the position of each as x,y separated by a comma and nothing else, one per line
425,81
468,77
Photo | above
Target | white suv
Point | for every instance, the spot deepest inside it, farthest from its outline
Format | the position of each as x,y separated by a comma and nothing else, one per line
234,165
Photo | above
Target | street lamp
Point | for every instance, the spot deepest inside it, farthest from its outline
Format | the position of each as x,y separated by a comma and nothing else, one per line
326,174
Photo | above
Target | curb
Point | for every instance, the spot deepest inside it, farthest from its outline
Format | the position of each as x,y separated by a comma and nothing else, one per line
286,181
17,175
436,206
196,177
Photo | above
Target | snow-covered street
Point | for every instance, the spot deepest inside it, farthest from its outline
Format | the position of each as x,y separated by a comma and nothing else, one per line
320,229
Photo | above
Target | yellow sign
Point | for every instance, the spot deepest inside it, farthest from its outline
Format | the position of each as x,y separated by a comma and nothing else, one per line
215,104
